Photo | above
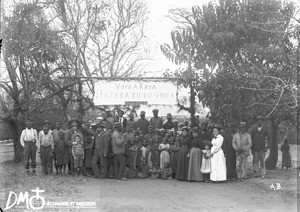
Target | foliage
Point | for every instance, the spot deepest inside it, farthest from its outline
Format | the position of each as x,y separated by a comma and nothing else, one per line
245,56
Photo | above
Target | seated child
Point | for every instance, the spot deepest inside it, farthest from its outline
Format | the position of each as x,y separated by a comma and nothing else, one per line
166,172
144,170
155,172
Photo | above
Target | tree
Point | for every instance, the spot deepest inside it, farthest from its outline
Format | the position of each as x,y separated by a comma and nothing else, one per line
246,60
33,55
108,37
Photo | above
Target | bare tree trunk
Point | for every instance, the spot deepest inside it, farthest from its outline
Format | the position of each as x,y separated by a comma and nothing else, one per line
271,161
18,149
192,105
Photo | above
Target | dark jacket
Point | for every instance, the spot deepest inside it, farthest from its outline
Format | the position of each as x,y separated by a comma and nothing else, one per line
259,138
227,147
102,143
142,124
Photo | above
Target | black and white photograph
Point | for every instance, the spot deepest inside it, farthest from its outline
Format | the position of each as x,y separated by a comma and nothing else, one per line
149,106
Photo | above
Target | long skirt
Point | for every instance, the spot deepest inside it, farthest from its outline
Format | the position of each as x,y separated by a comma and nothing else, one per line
156,160
173,161
183,164
88,156
61,156
218,166
286,159
231,167
150,161
195,165
164,158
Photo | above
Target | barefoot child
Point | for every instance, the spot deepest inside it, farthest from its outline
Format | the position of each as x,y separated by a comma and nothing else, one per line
131,154
166,172
206,166
155,171
286,155
164,154
61,153
78,154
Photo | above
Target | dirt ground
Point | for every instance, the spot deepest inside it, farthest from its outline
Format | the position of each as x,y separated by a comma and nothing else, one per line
253,194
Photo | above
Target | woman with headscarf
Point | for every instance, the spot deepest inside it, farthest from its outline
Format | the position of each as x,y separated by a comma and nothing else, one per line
195,156
218,161
183,159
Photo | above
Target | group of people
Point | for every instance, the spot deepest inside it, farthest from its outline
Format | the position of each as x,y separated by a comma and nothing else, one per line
121,149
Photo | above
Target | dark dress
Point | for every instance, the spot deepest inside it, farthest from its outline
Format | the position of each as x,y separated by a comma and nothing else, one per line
196,160
183,161
174,152
88,147
286,156
61,152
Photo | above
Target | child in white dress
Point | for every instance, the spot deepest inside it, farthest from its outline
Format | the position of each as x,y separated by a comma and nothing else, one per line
206,166
164,154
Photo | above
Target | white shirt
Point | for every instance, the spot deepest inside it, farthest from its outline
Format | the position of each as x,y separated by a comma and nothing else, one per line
28,135
259,128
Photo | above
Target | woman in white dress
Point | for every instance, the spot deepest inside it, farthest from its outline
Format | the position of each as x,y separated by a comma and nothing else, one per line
218,161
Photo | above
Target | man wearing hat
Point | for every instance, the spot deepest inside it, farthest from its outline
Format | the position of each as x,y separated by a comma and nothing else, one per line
130,122
46,148
261,139
102,142
156,121
29,140
242,143
55,134
88,134
142,123
106,123
47,124
168,123
229,151
118,146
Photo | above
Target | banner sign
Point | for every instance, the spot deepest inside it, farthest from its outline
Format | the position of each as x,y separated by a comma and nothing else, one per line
121,92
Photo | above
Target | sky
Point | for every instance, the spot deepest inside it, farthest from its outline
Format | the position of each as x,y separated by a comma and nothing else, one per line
159,31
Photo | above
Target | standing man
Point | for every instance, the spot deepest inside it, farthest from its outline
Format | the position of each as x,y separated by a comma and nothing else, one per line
261,139
88,142
156,121
230,153
142,123
46,149
131,121
242,143
100,152
28,140
109,117
105,122
118,146
168,123
55,134
122,120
